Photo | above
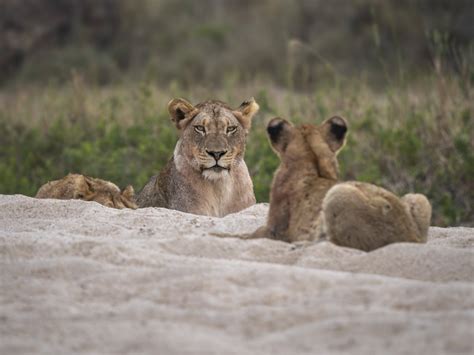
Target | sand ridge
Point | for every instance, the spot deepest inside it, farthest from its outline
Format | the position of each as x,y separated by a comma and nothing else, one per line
79,277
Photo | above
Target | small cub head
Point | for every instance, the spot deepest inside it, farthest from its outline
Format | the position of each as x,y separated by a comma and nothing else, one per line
212,135
81,187
108,194
309,144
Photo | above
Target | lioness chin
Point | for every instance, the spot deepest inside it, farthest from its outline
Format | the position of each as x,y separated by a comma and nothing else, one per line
207,174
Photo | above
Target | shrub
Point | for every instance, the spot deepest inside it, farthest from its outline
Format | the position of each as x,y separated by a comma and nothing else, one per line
405,141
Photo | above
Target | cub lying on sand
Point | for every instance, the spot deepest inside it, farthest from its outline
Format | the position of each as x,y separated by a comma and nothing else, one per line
308,203
75,186
207,174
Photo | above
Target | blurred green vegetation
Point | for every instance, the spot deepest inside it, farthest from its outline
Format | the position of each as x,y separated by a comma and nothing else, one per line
405,140
84,86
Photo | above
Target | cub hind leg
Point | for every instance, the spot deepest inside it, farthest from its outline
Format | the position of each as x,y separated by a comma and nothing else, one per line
419,208
367,217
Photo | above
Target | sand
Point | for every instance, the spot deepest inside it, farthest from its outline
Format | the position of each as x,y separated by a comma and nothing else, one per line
77,277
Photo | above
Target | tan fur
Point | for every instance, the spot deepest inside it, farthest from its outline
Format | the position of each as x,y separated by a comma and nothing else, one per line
308,203
76,186
207,174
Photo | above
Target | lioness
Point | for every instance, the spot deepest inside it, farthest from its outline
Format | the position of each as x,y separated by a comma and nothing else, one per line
207,174
308,203
76,186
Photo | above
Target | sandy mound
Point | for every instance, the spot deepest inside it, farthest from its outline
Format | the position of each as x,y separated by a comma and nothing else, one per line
79,277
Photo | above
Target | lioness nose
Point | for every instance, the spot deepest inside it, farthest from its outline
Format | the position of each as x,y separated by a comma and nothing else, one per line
216,155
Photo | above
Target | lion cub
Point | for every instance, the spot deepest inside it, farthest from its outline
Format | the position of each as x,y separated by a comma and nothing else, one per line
76,186
308,203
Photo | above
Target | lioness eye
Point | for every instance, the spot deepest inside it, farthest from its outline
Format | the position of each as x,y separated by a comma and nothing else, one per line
199,129
231,129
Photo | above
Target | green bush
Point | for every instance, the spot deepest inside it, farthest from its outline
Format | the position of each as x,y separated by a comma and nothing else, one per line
403,141
55,66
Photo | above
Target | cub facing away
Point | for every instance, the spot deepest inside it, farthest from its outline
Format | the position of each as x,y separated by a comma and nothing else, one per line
308,203
207,174
76,186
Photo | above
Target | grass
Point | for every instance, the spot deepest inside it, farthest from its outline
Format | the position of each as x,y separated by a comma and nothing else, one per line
405,139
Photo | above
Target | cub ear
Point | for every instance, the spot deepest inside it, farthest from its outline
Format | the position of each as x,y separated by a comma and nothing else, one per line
246,111
334,130
181,112
279,132
85,190
89,183
128,192
127,197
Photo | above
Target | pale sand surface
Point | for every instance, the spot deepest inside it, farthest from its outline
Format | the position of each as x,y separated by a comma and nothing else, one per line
77,277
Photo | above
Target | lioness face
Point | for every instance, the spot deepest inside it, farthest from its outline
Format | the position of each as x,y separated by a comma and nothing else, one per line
212,135
309,144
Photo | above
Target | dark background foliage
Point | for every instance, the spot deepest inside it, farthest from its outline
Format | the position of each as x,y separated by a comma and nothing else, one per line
84,86
191,41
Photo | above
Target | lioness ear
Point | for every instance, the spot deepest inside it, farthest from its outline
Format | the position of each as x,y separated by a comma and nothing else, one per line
334,130
128,192
246,111
181,112
279,132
